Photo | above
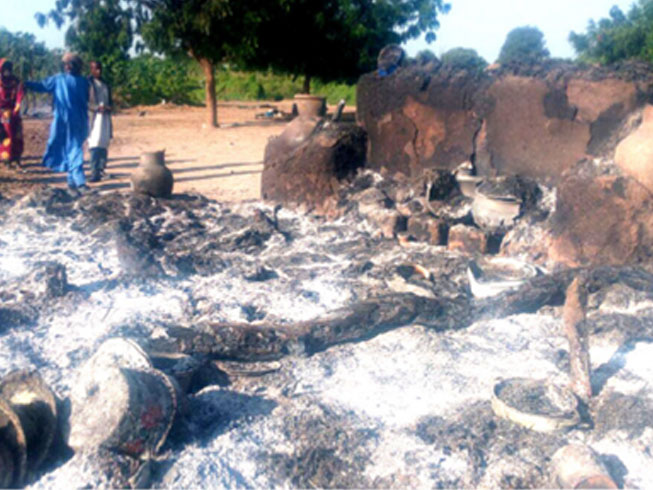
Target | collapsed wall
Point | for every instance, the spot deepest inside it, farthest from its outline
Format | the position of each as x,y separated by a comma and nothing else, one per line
531,120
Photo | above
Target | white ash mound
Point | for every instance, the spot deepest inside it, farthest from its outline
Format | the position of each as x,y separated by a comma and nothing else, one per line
301,373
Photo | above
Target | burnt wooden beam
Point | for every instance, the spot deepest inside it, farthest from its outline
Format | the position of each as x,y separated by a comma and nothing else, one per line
364,320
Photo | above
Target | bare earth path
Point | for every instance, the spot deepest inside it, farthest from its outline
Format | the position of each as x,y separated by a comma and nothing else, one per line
223,164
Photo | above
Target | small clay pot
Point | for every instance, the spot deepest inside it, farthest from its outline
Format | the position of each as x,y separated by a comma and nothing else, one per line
310,105
12,441
152,177
36,407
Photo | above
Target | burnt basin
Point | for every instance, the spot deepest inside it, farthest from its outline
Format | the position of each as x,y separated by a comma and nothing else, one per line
493,275
493,213
535,404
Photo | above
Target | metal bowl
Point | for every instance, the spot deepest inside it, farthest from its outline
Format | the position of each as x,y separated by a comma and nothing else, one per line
491,276
495,213
468,183
535,404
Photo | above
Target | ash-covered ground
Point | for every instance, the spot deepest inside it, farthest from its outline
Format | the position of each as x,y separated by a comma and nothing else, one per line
372,398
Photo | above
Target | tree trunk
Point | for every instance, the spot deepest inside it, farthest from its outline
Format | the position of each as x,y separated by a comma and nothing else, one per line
211,102
307,84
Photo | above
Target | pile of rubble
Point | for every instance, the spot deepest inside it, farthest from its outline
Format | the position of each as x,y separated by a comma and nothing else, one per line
422,325
260,328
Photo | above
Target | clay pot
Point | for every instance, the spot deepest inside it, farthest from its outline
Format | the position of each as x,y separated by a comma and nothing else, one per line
310,105
13,448
36,407
122,409
152,177
578,466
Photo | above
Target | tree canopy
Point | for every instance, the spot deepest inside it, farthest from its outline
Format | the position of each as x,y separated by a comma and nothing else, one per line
338,40
618,37
464,58
210,31
97,30
523,44
31,59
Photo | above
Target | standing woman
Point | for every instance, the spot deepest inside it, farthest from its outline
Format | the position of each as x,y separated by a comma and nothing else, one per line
11,125
69,127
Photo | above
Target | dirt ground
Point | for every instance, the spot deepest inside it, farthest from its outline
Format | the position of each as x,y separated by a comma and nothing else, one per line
223,163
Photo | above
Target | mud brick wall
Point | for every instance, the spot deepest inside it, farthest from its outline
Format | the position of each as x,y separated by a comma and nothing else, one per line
530,120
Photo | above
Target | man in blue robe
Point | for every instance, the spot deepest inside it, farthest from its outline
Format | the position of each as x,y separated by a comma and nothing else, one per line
69,128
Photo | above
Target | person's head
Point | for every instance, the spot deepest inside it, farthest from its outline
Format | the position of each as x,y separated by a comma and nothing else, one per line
6,68
96,69
72,63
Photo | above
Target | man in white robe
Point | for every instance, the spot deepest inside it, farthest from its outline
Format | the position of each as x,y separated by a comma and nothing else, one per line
101,131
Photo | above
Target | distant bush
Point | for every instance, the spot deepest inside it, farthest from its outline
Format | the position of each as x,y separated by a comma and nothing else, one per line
241,85
334,92
147,80
464,58
425,56
523,44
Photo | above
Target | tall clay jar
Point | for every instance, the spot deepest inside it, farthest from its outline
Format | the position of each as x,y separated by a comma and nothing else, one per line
310,105
152,177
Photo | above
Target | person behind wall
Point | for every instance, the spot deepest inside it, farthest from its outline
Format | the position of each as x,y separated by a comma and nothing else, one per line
69,128
11,125
100,106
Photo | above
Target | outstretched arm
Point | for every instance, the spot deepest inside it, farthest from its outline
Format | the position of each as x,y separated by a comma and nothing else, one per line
46,85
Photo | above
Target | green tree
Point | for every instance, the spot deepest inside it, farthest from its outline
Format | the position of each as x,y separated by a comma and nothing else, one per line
464,58
209,31
97,29
618,37
338,40
523,44
149,79
31,59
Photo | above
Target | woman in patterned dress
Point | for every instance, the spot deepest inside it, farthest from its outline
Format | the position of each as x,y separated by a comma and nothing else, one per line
11,125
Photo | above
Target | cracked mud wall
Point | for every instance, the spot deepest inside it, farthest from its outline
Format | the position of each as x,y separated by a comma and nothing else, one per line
514,120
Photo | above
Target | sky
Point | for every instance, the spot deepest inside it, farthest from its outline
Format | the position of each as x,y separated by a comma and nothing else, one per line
484,24
478,24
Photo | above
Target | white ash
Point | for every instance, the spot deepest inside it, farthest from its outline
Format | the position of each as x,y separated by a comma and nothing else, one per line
374,394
